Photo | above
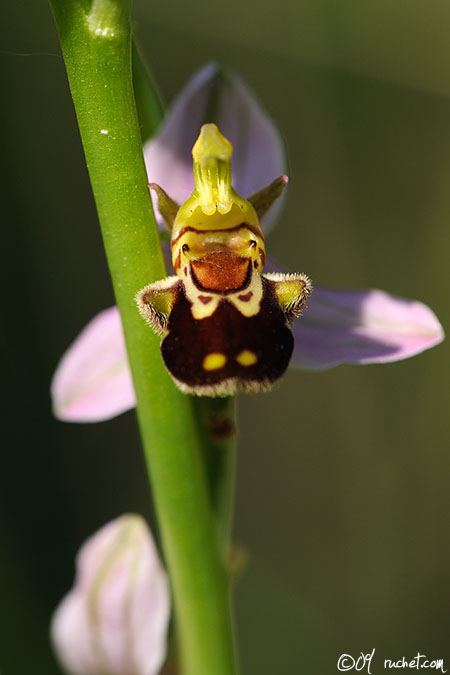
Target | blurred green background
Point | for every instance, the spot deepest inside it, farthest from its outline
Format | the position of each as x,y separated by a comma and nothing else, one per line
343,477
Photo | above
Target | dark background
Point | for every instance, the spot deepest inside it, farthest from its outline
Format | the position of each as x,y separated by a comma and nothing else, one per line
342,487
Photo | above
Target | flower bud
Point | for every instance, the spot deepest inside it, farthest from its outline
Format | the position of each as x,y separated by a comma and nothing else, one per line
114,620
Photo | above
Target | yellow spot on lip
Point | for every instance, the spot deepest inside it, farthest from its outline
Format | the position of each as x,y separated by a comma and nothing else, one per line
247,358
214,361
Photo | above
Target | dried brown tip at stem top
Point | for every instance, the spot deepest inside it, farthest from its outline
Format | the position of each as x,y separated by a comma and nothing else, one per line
264,198
168,208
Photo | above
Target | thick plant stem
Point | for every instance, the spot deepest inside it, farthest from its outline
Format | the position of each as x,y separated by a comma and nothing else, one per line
96,43
217,418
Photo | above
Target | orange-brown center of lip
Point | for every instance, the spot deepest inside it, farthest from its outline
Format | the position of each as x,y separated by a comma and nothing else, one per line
221,272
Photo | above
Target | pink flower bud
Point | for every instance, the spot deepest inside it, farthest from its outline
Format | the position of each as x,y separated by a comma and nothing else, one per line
114,620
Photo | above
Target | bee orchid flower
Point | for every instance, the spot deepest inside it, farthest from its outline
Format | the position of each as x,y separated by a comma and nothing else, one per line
93,381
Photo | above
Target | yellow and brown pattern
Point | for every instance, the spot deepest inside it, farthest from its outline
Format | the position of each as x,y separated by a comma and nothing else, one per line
225,325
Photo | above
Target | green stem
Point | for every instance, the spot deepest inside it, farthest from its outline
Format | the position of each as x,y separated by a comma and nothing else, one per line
96,44
218,427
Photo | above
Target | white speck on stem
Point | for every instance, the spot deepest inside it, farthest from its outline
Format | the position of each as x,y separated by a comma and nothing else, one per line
104,32
106,132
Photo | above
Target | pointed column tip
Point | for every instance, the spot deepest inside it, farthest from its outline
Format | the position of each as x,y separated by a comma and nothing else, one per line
211,145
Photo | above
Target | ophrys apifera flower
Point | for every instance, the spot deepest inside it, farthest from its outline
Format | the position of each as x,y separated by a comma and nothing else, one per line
93,381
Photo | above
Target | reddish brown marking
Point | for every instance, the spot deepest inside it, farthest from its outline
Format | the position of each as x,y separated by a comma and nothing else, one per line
262,256
255,264
221,271
185,271
205,299
188,228
221,426
246,296
177,262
